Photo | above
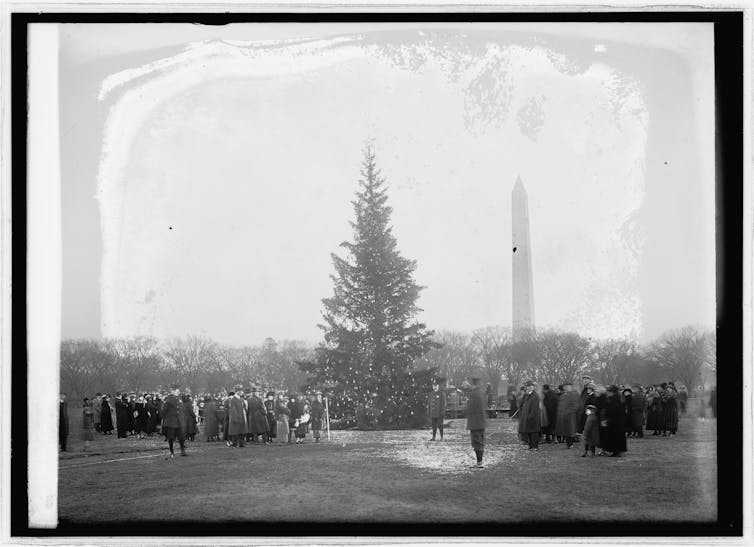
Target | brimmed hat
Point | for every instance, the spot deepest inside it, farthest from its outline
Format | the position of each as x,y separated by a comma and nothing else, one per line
270,394
592,407
528,383
627,389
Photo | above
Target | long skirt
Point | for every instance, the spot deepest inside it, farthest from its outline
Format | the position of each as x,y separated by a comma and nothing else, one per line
281,430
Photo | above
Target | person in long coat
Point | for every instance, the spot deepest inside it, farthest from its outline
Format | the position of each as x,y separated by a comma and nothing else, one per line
131,402
550,403
436,405
476,419
257,416
211,426
294,413
318,412
301,425
97,411
237,419
171,421
627,397
591,430
638,404
282,414
612,423
655,411
188,418
63,428
530,424
142,417
106,418
121,416
568,414
670,410
87,433
153,416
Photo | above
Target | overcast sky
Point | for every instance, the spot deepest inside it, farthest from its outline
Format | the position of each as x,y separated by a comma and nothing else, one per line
208,173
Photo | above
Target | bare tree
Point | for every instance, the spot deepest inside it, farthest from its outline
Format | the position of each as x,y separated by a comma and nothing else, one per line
454,357
191,358
86,367
614,360
684,353
562,355
493,347
139,361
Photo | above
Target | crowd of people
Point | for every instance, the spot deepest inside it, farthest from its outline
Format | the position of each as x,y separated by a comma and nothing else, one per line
239,417
602,417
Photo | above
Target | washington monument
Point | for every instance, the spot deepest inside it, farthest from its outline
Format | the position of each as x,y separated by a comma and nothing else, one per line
523,291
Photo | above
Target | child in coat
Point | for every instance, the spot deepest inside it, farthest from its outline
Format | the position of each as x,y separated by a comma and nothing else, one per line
591,435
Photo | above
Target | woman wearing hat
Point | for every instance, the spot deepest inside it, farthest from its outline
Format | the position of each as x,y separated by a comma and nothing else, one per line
613,423
269,406
282,415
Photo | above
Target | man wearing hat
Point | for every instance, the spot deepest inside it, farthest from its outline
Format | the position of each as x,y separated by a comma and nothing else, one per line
257,416
568,414
436,409
638,404
531,419
171,423
237,418
476,419
588,397
269,406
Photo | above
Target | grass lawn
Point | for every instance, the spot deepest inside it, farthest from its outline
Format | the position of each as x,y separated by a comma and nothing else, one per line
392,476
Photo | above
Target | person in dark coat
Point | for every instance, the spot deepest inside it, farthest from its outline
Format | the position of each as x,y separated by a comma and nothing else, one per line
591,431
638,404
282,413
550,402
670,410
530,424
476,419
586,390
257,415
106,417
318,412
301,424
211,429
142,417
188,418
131,414
121,416
237,419
568,414
627,396
436,405
294,414
63,428
153,416
612,424
171,420
655,410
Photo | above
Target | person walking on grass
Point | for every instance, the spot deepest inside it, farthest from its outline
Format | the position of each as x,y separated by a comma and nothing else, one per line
612,424
476,419
171,421
436,409
531,424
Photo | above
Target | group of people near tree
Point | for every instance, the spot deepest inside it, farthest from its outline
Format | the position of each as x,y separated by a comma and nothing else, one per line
235,418
601,417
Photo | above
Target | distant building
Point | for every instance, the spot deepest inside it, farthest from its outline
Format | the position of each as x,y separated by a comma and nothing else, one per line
523,290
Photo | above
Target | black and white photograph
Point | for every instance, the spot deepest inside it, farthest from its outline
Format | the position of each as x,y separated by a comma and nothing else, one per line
452,272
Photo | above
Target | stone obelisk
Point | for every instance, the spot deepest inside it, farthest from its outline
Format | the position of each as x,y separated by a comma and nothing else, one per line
523,291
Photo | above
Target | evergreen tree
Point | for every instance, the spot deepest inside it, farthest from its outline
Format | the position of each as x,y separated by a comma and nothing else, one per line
371,335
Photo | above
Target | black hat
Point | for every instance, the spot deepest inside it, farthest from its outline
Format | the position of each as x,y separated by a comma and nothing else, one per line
529,383
625,389
270,394
591,407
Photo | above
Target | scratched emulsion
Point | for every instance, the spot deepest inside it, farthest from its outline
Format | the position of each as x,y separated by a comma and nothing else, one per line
213,157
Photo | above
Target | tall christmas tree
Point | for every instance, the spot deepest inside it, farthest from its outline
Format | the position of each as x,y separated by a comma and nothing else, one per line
371,335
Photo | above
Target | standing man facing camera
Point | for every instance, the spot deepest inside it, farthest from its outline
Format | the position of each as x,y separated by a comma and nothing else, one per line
436,409
476,419
171,420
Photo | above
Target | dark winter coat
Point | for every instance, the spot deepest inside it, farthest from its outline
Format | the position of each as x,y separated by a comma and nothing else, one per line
551,408
613,432
529,412
269,407
591,433
188,419
476,410
436,404
121,415
63,428
170,412
568,414
154,417
142,417
655,412
586,400
257,416
317,411
106,418
670,410
638,402
237,419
